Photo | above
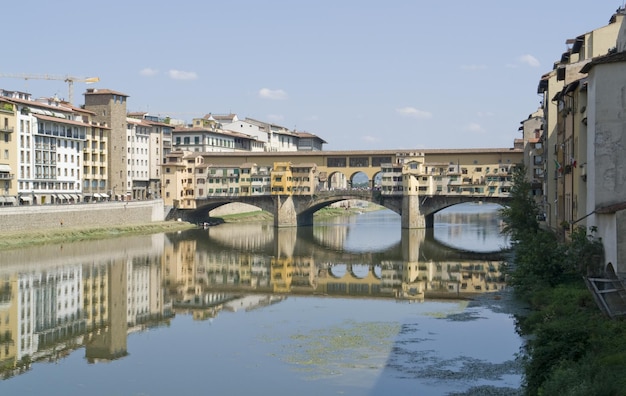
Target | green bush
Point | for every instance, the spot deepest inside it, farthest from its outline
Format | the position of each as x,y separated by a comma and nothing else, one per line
572,348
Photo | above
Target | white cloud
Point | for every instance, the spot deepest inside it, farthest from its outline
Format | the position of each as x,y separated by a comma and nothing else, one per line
473,67
274,94
414,113
182,75
529,60
475,128
148,72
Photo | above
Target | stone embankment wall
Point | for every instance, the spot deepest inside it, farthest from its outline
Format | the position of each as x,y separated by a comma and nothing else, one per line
100,214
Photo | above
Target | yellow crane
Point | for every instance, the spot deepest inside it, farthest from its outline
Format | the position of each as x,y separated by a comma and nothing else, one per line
70,80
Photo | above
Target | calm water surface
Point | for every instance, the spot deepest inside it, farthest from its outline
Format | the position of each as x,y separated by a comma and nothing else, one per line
352,306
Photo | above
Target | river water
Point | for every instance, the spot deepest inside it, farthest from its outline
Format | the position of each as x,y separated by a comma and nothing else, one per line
351,306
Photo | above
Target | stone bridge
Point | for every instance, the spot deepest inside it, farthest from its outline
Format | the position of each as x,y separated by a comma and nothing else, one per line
416,211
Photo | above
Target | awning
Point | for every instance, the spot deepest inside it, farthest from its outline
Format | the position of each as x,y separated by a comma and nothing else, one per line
76,197
26,199
5,168
103,195
10,200
66,196
97,195
2,200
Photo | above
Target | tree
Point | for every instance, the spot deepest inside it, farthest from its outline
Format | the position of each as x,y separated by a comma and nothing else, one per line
520,215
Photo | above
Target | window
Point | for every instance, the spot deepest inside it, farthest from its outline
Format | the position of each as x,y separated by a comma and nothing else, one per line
336,162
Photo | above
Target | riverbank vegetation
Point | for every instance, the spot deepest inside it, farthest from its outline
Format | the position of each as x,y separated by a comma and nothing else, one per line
572,348
12,240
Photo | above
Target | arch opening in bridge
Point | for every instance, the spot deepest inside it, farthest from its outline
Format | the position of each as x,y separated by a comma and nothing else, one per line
337,181
338,270
360,180
477,222
215,211
360,271
234,208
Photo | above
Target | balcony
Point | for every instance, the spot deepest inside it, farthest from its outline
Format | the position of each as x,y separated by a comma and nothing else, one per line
7,129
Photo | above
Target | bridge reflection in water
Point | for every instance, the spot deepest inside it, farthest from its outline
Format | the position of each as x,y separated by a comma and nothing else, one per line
107,289
310,260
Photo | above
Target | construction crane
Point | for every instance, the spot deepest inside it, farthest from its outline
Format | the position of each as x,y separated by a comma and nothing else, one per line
68,79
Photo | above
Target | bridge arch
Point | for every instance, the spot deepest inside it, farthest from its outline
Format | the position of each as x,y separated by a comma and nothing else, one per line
297,210
429,206
356,272
201,215
360,179
306,209
337,180
432,205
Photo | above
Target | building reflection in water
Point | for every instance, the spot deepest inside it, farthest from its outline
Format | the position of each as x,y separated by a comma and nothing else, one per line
55,299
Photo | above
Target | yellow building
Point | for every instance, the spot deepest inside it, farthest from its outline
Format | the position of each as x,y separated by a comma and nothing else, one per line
304,178
414,176
95,294
8,321
254,179
179,173
8,154
282,179
565,108
222,180
281,273
95,163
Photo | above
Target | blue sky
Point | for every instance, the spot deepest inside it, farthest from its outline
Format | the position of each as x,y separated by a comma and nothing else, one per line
360,74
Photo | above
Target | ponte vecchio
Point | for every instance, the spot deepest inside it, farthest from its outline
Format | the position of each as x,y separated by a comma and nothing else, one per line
293,185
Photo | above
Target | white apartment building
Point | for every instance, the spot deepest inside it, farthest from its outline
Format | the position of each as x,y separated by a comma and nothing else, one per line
138,292
49,307
50,143
137,158
204,140
274,137
160,147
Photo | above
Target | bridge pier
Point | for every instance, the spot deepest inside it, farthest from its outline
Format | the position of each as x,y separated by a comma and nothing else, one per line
412,217
285,214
